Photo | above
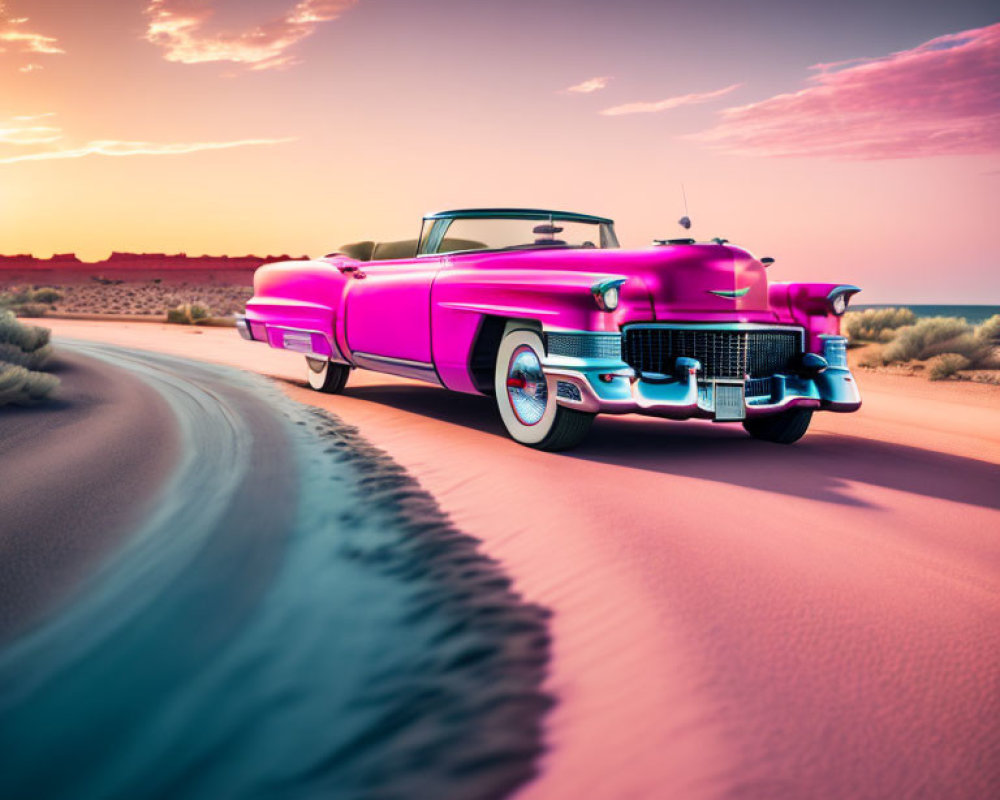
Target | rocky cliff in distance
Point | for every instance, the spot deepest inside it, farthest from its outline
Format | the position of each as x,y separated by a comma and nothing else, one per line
66,268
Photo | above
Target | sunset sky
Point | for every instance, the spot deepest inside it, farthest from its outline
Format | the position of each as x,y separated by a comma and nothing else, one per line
853,141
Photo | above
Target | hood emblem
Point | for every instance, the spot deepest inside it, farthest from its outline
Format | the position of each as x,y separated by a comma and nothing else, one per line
732,294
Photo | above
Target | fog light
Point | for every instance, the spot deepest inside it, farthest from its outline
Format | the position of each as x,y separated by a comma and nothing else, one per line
606,377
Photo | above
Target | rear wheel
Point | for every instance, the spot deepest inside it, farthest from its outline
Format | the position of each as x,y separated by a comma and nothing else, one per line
326,376
529,411
784,428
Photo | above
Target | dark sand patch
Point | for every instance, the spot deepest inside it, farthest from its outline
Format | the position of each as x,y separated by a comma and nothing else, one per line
75,475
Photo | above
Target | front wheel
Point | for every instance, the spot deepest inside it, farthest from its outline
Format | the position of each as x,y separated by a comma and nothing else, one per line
326,376
528,410
783,428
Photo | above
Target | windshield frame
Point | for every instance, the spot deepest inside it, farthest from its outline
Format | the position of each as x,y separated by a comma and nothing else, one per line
434,228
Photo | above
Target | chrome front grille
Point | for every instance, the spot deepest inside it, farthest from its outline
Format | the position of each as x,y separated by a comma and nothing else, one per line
732,354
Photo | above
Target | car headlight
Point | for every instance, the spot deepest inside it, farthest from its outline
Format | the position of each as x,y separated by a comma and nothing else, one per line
840,297
606,293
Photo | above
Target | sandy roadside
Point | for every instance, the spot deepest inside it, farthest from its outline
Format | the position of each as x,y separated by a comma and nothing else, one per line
75,474
731,618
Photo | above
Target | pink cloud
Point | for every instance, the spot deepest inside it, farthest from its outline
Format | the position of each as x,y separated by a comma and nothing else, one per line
178,26
15,36
26,131
588,86
669,103
110,147
940,98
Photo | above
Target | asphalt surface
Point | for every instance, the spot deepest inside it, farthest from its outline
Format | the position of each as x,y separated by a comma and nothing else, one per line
211,591
731,618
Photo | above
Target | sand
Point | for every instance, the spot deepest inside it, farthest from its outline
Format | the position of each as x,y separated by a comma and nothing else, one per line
75,475
731,618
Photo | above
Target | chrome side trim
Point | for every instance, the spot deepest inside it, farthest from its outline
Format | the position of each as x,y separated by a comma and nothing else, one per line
402,362
401,367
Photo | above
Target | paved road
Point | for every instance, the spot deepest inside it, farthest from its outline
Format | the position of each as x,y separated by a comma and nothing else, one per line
732,618
283,613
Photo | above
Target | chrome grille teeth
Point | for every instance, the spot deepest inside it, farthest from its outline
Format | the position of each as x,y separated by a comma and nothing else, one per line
723,354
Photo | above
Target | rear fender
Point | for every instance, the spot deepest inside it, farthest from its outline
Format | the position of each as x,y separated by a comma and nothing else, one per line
295,306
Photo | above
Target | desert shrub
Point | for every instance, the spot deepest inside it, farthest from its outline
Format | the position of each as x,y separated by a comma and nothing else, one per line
976,350
989,330
876,324
946,365
23,348
21,387
36,359
872,358
26,337
924,339
46,295
31,310
26,301
188,314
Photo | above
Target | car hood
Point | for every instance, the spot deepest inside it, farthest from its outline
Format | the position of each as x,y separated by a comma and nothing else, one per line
704,278
679,279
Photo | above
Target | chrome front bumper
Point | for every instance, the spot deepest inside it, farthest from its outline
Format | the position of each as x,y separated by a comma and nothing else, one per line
604,384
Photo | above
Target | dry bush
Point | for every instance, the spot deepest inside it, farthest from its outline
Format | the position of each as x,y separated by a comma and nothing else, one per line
46,295
872,358
925,338
27,337
22,387
23,348
31,310
946,365
876,324
989,330
36,359
188,314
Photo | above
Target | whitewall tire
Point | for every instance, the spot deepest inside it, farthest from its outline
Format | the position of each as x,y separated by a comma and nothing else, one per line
527,403
326,376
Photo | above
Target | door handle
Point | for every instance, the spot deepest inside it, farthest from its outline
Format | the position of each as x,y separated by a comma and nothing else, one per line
351,269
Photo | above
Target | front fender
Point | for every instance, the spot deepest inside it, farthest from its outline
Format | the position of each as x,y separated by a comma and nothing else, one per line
808,305
557,299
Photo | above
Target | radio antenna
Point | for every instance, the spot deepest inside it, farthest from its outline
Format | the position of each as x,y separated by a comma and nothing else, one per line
685,221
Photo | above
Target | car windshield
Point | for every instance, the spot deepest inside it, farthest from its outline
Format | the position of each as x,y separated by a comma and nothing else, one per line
504,233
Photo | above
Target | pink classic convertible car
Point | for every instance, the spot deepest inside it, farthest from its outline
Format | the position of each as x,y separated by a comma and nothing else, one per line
542,310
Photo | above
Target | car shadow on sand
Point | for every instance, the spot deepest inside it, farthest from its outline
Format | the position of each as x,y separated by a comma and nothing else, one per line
822,466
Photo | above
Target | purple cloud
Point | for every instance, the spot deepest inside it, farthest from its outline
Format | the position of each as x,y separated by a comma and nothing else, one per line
940,98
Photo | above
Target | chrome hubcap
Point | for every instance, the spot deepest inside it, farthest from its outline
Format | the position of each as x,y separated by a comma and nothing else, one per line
526,388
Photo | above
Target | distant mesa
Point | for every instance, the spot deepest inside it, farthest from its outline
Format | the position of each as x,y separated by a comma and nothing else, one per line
66,269
144,261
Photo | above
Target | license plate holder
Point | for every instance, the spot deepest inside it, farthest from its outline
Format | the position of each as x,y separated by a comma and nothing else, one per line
729,402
